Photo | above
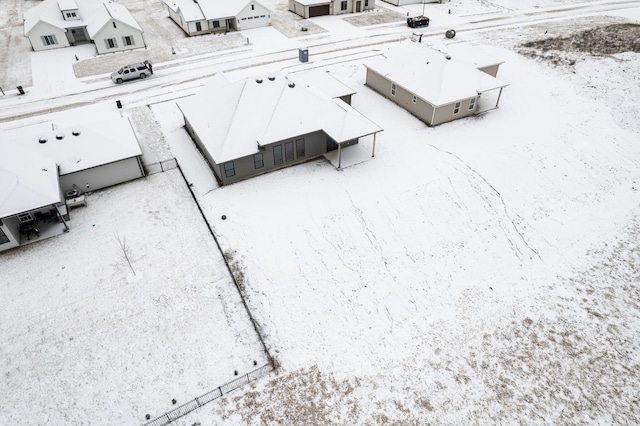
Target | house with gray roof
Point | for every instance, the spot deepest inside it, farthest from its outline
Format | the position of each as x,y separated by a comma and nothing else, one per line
437,86
62,23
312,8
213,16
268,123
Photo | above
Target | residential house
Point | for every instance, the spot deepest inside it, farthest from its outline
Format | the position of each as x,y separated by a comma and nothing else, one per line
43,174
405,2
29,191
211,16
267,123
312,8
62,23
434,85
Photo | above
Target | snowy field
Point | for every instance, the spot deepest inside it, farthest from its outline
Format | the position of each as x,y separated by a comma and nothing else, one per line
484,271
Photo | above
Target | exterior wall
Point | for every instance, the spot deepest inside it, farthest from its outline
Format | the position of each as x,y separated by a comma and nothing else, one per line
44,29
491,70
103,176
178,19
118,33
404,2
315,145
247,18
421,109
445,113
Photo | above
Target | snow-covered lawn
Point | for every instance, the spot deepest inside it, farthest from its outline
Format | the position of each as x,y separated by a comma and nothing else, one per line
484,271
87,341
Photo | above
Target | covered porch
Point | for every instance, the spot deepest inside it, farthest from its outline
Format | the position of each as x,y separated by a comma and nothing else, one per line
34,225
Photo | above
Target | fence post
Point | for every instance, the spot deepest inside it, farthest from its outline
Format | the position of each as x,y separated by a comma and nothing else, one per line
161,168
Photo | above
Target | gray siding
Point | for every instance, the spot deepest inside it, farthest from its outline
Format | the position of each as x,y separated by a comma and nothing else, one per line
102,176
315,145
491,70
420,108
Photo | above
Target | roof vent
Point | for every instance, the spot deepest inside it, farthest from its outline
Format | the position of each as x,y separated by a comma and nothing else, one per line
292,84
271,77
258,80
76,133
448,57
42,140
60,136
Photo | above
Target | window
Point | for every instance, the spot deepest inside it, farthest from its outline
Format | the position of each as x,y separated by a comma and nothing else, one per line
472,103
277,154
48,40
288,151
111,43
258,161
216,24
300,148
114,25
366,3
229,169
25,217
128,41
393,89
3,237
413,99
456,109
343,5
198,26
71,14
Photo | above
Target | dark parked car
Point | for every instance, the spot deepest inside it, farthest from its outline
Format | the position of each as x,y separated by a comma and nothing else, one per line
418,21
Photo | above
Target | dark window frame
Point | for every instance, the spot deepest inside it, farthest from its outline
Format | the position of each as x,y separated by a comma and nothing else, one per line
300,148
229,171
278,157
258,161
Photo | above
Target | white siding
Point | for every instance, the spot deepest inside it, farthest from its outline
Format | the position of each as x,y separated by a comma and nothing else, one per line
43,29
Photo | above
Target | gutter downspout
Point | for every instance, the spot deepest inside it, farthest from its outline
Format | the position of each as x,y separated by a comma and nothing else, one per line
373,151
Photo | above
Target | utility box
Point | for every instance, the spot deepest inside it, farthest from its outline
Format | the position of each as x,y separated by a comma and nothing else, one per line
303,54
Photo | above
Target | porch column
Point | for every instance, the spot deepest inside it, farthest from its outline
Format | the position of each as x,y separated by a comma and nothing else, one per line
499,94
373,151
339,155
66,227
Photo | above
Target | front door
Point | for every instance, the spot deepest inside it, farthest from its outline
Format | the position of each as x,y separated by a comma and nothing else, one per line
78,35
358,6
331,144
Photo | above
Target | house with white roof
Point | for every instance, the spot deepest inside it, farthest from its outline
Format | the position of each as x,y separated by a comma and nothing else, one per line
43,174
29,189
212,16
312,8
434,85
62,23
267,123
405,2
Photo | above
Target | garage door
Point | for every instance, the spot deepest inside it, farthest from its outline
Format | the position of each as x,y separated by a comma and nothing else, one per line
318,10
254,22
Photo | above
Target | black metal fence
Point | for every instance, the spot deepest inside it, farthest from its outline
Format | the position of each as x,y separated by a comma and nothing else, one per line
176,413
161,166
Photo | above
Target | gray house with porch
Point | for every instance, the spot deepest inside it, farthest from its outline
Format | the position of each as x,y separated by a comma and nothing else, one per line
436,86
267,123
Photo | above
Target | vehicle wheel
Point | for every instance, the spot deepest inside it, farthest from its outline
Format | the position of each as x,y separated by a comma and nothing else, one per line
143,75
119,81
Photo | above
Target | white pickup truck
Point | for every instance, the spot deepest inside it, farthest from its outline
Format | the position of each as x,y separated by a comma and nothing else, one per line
133,71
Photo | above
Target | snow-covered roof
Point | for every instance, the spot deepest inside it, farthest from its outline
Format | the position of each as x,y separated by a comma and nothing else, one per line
94,145
469,53
27,181
208,9
92,13
103,15
190,10
434,76
325,82
266,109
67,4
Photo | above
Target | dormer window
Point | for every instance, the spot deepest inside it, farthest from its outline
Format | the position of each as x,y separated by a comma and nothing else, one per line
71,15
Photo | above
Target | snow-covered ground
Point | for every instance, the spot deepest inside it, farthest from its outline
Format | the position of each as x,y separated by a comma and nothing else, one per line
484,271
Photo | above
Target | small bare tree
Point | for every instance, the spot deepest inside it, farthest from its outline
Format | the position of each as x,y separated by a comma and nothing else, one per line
124,252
